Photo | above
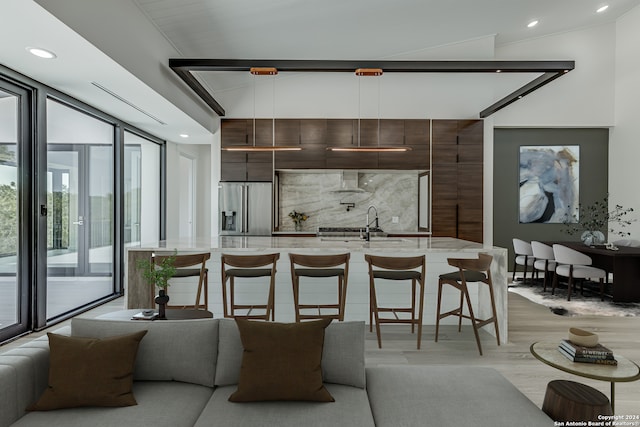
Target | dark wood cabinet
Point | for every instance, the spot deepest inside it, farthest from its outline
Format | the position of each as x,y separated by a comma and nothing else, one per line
457,179
454,156
311,134
410,133
344,133
315,135
235,132
246,166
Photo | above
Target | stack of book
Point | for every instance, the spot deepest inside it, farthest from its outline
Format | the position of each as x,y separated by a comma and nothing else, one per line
145,316
598,354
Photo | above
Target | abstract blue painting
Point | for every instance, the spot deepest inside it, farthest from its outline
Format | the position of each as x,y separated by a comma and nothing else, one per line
549,178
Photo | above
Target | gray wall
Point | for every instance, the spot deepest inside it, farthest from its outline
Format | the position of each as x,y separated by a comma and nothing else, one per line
594,154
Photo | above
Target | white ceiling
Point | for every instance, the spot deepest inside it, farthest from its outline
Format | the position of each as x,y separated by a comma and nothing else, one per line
271,29
360,29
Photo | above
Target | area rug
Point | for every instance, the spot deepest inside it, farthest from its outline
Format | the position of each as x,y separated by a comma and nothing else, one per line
588,304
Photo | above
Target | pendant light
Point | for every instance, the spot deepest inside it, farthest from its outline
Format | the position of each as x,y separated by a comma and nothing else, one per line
263,71
370,72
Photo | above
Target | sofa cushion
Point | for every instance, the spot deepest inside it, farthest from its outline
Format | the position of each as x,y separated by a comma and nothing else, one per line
179,350
160,404
351,408
90,372
281,361
342,355
448,396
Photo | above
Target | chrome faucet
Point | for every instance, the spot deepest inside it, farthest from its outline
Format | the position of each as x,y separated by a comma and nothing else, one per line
367,231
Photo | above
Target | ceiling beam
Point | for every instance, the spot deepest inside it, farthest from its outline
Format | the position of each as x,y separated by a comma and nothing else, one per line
184,67
521,92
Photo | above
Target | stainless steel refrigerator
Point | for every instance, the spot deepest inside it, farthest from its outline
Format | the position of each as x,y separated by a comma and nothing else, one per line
245,208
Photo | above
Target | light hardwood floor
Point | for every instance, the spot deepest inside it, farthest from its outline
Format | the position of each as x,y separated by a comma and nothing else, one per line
528,322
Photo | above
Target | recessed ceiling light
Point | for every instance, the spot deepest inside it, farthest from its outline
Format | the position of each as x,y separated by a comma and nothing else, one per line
184,135
532,24
41,53
603,8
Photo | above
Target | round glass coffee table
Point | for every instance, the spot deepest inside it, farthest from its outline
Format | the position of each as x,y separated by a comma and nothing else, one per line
625,371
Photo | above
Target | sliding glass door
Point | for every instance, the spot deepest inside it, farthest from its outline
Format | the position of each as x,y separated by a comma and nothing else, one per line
77,186
13,277
80,219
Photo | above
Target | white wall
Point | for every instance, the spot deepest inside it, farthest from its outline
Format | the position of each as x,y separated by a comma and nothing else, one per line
583,97
402,95
214,179
202,154
624,148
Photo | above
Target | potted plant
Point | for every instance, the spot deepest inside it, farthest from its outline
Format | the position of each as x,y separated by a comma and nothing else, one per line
158,275
591,220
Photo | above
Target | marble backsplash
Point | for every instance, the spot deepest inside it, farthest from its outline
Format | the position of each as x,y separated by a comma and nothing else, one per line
393,194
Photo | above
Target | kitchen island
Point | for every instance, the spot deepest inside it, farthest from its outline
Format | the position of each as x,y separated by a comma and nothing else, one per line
138,294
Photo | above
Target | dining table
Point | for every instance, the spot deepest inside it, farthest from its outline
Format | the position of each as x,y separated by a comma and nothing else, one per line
623,262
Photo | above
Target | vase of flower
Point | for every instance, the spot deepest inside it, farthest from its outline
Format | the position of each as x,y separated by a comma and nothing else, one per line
591,220
593,238
298,218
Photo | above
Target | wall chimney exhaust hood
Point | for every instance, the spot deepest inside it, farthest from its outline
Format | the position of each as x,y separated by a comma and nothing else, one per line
349,183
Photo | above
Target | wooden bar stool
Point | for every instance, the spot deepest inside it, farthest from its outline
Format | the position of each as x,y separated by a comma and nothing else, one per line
469,270
184,265
395,268
320,266
248,267
571,401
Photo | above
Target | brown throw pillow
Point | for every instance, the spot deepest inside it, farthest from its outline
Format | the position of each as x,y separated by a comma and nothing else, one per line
90,372
281,361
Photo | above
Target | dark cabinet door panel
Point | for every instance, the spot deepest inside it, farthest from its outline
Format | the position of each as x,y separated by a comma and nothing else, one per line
457,179
340,132
471,231
468,153
234,132
367,133
287,132
260,172
311,157
470,192
444,200
445,132
351,160
233,172
417,158
233,157
392,132
313,131
416,131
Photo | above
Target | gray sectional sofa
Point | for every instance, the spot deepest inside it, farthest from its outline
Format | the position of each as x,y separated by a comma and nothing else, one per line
185,371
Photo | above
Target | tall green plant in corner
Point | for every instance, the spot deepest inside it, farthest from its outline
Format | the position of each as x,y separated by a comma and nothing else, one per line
158,274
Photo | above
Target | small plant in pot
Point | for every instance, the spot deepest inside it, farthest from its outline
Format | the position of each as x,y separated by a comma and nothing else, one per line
158,275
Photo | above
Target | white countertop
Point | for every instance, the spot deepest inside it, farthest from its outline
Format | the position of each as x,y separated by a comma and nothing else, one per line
437,249
395,244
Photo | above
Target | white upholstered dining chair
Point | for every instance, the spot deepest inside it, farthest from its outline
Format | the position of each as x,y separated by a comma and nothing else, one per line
575,265
544,260
523,256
